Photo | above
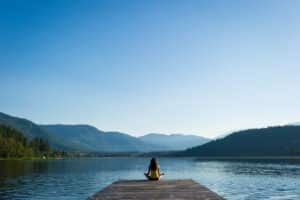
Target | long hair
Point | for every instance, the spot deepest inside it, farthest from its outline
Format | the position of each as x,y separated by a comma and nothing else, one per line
153,164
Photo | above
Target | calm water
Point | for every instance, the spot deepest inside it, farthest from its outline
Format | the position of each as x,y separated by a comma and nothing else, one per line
77,179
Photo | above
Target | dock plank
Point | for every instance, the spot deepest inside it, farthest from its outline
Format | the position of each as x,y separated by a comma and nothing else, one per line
181,189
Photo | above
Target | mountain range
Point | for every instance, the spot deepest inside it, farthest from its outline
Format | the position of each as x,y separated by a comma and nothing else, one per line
87,138
270,141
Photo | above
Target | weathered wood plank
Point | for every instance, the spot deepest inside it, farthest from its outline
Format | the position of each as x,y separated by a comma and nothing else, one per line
184,189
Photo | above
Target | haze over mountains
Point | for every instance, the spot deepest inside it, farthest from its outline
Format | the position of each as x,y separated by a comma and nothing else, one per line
91,139
174,141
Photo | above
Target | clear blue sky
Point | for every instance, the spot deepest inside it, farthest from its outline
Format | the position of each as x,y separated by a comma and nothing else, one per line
202,67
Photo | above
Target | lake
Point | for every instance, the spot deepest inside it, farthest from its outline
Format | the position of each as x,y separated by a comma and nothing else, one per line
77,179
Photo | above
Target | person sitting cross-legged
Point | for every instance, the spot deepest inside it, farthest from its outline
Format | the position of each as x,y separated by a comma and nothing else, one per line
153,171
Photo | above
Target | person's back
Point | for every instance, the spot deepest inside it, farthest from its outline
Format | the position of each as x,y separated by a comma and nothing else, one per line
153,170
154,174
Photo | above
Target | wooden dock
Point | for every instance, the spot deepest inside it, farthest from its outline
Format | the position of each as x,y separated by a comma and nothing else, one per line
183,189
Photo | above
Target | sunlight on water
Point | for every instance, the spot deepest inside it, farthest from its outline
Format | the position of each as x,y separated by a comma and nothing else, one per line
77,179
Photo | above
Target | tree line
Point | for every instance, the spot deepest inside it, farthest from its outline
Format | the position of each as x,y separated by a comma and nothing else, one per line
13,144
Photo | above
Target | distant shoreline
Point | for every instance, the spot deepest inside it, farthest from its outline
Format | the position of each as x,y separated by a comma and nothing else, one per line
250,158
34,158
191,157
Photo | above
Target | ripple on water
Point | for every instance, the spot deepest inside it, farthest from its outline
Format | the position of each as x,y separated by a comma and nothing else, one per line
77,179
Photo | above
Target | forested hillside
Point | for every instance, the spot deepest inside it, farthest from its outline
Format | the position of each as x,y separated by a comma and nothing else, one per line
13,144
271,141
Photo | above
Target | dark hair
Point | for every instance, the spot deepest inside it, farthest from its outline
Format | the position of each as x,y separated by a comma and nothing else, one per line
153,164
